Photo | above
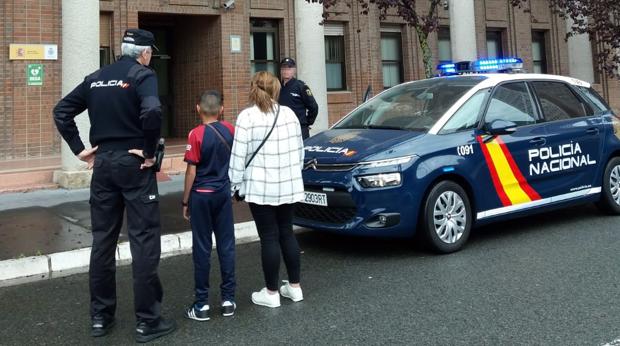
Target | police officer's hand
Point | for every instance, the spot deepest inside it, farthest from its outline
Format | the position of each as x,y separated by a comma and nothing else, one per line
88,156
147,162
185,213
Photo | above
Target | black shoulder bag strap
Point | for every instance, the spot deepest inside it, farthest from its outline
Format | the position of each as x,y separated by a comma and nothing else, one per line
219,135
264,140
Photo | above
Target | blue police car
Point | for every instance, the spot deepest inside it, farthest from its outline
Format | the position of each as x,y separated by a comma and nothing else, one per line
441,155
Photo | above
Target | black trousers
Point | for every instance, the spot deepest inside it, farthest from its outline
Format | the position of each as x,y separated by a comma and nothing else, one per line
118,184
275,230
211,213
305,131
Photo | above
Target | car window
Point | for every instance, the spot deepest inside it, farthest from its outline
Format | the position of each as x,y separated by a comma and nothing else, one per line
511,102
413,106
467,116
558,102
596,101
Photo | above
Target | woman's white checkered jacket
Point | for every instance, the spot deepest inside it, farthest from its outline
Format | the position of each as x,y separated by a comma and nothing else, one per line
274,175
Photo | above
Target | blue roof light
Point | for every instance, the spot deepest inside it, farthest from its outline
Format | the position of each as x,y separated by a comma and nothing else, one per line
481,66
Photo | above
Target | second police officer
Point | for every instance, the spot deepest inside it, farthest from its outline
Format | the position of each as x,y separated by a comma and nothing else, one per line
296,95
125,116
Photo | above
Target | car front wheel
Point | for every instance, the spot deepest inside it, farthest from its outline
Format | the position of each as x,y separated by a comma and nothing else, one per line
447,217
610,194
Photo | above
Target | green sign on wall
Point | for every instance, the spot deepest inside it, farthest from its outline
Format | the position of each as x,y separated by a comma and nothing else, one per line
34,74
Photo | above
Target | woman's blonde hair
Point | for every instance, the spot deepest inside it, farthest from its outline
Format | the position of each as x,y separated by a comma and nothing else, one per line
264,91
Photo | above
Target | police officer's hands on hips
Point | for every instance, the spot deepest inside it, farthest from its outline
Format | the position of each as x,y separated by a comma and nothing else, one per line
88,156
147,162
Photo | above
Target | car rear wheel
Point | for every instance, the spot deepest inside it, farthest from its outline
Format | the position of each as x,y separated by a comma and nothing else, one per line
447,217
610,194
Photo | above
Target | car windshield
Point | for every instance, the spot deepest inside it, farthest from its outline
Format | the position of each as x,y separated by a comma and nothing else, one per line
412,106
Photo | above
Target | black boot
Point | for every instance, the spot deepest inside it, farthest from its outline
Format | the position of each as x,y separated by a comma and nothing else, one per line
146,332
101,326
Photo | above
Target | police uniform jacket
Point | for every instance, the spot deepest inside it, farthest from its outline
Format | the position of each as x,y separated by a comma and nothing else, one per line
123,107
296,95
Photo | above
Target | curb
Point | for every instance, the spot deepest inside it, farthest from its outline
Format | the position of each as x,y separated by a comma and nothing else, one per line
29,269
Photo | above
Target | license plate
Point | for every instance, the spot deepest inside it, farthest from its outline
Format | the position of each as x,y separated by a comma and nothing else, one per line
315,198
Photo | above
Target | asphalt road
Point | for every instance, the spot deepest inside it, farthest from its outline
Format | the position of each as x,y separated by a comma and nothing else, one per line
549,280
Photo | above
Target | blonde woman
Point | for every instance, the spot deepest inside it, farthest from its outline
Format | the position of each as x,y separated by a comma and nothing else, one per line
265,169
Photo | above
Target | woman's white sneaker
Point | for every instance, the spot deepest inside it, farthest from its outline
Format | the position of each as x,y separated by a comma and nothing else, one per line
263,298
293,293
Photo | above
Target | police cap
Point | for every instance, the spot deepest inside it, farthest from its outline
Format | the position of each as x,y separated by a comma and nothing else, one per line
288,62
139,37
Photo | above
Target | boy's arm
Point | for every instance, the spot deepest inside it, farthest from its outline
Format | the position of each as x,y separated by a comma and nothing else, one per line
190,175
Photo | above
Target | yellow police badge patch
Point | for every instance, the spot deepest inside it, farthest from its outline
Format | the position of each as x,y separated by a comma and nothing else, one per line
308,92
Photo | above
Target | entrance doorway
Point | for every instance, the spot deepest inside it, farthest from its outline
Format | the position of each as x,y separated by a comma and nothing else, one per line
161,62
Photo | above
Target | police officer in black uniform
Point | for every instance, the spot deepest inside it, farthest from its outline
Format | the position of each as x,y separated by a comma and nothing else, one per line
125,116
296,95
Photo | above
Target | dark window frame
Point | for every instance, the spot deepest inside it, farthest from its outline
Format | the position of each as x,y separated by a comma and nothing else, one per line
540,36
442,33
498,36
276,44
399,62
341,62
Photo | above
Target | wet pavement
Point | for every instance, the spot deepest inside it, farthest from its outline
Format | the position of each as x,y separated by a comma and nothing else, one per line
547,280
44,222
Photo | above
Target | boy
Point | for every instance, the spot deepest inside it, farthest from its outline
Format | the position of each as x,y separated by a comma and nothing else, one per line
207,204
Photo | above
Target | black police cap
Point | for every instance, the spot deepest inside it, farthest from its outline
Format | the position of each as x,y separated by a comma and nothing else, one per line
139,37
288,62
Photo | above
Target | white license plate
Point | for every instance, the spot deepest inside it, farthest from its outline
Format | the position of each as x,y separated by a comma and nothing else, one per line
315,198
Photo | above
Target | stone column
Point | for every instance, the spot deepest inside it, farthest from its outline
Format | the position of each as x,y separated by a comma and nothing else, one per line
80,57
310,47
462,30
580,59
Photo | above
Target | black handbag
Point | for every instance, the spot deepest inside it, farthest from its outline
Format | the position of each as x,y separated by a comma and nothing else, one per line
236,195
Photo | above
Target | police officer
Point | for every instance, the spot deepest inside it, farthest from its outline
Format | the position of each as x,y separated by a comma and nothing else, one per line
125,116
296,95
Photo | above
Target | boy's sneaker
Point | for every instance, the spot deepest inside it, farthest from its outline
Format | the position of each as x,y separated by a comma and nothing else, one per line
265,299
228,308
293,293
197,313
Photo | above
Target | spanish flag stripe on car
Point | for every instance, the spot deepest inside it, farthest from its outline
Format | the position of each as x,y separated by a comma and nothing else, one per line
494,176
509,182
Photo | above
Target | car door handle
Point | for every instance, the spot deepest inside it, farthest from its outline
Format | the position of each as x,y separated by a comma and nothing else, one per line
538,141
592,131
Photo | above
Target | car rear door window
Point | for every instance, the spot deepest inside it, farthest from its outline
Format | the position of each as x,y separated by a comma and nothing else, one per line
558,102
511,102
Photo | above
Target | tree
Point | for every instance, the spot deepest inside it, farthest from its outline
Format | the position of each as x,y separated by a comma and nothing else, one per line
423,23
600,19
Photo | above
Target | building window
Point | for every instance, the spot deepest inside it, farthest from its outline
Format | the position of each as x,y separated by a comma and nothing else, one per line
264,46
391,59
105,39
443,45
335,57
494,44
539,57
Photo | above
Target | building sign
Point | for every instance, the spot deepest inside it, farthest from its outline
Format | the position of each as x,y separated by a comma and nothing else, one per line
34,74
235,44
33,51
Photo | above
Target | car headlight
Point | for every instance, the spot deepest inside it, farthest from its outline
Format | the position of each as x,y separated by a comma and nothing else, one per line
387,162
379,180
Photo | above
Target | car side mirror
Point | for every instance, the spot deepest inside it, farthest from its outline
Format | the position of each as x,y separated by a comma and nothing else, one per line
500,127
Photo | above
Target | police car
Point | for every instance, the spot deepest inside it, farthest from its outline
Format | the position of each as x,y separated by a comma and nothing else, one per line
441,155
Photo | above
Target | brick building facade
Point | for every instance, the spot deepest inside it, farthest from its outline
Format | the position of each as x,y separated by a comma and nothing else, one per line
196,38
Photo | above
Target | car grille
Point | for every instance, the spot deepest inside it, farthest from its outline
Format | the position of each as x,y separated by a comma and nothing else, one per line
333,215
323,167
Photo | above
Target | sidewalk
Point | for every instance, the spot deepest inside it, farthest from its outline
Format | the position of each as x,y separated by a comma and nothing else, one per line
47,232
